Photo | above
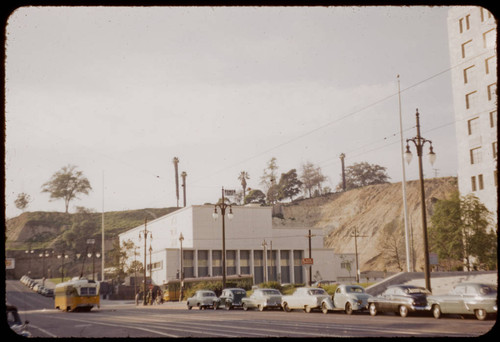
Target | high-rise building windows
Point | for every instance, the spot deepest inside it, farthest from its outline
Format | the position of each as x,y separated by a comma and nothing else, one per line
485,14
494,149
490,38
492,91
464,23
473,183
470,99
491,65
475,155
468,72
493,118
480,182
467,49
473,126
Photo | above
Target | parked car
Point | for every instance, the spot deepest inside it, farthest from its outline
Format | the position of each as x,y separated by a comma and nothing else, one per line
399,298
231,298
308,298
202,299
466,299
263,299
48,292
350,298
15,322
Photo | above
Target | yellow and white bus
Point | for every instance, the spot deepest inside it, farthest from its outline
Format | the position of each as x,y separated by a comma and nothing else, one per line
78,294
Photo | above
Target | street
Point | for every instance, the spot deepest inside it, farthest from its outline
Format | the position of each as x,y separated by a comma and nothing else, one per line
119,319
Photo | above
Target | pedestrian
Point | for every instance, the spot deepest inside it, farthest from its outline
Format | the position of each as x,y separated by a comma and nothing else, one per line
137,298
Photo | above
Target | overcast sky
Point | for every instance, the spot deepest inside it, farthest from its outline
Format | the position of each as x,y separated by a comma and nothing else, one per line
119,92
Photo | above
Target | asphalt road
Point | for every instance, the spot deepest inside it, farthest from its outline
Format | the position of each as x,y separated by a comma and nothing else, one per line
118,319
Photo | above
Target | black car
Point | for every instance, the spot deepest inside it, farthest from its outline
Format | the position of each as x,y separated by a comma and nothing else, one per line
231,298
15,322
400,298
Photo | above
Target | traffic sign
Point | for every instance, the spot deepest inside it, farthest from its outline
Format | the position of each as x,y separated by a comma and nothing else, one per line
308,261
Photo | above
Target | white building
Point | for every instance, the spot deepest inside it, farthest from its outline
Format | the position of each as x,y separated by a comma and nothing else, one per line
472,35
244,238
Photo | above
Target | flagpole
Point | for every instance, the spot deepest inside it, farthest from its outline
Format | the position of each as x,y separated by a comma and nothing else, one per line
403,182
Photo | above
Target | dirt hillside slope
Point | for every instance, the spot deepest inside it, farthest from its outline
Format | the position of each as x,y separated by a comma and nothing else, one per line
369,210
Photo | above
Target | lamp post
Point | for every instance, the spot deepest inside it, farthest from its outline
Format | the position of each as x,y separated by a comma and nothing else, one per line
223,206
342,156
62,256
419,144
43,255
29,252
144,234
181,238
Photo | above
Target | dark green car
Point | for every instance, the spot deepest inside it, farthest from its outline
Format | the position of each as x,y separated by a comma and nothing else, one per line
231,298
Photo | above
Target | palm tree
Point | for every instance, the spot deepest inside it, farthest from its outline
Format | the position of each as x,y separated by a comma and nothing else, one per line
243,178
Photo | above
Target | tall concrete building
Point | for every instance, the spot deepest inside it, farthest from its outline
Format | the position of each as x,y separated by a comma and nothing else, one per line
472,35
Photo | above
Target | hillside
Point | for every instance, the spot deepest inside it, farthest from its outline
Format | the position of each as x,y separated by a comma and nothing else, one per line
41,228
369,209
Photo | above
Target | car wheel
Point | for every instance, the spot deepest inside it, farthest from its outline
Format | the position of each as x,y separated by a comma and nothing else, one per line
227,306
260,307
286,308
348,308
307,308
403,311
324,308
216,305
245,307
480,314
373,309
189,307
436,311
201,307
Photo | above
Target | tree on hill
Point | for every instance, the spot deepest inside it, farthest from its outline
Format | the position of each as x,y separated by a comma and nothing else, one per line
363,174
66,184
311,177
22,201
255,196
268,180
289,185
243,179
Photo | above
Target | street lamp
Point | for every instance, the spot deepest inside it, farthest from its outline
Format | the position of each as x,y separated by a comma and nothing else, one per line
29,252
62,256
181,238
144,234
419,144
43,255
222,205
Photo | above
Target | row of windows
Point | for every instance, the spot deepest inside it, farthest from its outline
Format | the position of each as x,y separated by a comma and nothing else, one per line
471,98
477,182
476,156
489,68
473,126
489,42
464,23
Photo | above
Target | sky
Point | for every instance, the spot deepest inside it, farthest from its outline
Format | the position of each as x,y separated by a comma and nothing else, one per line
119,92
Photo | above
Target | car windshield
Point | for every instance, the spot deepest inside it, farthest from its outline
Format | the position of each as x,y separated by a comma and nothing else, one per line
316,292
486,289
271,292
355,289
412,290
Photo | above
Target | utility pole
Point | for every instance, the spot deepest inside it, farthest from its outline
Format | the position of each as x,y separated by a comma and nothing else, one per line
176,168
264,245
183,175
309,236
342,156
356,251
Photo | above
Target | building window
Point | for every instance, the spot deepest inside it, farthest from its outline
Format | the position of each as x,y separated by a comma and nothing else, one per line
468,72
475,155
480,181
495,174
492,91
473,183
473,126
493,118
490,38
470,100
491,65
494,148
467,49
485,14
461,23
